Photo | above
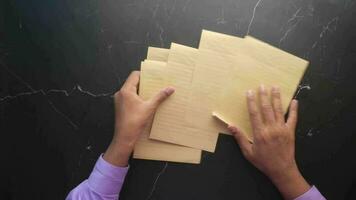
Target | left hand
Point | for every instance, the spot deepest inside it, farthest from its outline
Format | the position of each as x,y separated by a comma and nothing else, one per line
132,114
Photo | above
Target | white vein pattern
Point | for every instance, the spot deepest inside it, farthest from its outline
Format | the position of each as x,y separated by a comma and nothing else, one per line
161,31
46,93
253,16
327,28
292,23
221,19
156,180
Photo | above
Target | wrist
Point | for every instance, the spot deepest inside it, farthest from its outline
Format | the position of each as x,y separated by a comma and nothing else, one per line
285,174
290,183
117,155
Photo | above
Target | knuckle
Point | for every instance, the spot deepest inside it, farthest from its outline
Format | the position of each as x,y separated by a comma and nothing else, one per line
294,109
279,109
266,106
118,94
122,93
253,113
263,92
250,99
276,94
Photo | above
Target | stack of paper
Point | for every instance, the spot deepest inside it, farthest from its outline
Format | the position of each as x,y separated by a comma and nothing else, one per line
209,81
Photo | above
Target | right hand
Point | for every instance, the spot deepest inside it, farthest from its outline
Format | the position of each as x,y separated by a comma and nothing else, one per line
273,147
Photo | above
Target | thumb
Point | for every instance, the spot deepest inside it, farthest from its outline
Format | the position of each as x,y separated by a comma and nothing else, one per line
242,140
161,96
293,114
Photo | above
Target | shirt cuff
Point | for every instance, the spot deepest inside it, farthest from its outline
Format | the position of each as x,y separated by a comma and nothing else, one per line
107,179
312,194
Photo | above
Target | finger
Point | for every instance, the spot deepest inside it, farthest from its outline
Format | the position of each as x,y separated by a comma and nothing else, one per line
293,114
161,96
132,81
277,104
266,107
254,113
242,140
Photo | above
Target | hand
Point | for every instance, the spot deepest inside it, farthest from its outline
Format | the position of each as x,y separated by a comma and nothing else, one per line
273,147
132,114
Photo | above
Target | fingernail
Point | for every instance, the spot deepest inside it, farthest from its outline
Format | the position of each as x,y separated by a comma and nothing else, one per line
169,90
262,88
249,93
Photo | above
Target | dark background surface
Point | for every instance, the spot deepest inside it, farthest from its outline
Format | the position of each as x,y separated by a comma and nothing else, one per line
61,60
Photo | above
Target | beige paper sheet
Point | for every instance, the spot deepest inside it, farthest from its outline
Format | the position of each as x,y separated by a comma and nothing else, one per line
251,63
170,123
151,81
209,77
157,54
187,56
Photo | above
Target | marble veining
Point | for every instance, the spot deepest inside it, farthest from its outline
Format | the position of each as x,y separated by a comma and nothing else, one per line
63,51
253,16
292,23
48,92
154,185
329,27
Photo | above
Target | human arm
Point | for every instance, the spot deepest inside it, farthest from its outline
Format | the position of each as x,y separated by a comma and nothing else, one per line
131,116
273,147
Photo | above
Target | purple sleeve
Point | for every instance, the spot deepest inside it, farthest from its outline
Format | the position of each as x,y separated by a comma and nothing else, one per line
311,194
104,182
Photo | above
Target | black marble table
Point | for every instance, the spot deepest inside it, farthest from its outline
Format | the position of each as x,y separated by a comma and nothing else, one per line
61,60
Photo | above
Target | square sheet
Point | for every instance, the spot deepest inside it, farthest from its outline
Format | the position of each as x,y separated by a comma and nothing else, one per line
151,81
249,63
170,123
209,79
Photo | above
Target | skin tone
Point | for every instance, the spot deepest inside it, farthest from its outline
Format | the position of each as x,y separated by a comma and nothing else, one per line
132,114
272,150
273,147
